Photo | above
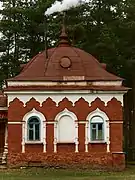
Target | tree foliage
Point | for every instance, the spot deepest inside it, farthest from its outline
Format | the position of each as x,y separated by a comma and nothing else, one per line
101,27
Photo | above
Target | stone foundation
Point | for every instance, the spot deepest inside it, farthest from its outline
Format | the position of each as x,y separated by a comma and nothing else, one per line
68,160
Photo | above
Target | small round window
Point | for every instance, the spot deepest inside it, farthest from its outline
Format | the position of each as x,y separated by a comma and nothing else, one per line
65,62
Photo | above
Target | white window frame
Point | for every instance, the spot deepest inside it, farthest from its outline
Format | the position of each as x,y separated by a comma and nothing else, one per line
105,118
65,112
96,122
27,116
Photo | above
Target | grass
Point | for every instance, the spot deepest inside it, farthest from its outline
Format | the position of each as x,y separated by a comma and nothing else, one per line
59,174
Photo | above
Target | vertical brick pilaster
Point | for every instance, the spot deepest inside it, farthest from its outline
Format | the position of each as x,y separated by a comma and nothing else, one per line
50,138
81,135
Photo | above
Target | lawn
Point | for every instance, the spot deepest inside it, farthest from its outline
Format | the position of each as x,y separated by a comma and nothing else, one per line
53,174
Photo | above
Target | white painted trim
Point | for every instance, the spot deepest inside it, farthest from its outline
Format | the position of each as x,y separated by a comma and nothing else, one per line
3,108
65,112
43,83
86,137
26,117
72,96
53,122
103,115
116,122
120,152
82,122
107,83
97,142
50,122
57,118
44,137
37,92
33,142
65,83
15,123
23,136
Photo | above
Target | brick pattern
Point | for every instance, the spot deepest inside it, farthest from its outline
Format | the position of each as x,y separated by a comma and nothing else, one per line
71,160
97,152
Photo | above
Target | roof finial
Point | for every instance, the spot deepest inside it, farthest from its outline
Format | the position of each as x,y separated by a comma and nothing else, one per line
63,36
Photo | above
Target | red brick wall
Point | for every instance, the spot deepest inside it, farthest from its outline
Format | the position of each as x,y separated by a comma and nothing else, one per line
50,137
81,137
97,147
65,147
31,148
81,108
116,137
14,137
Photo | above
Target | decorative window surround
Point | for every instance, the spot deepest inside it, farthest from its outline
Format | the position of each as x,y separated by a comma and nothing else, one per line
106,140
65,112
38,114
73,96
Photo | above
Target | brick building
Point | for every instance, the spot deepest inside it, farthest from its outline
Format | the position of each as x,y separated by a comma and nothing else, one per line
64,109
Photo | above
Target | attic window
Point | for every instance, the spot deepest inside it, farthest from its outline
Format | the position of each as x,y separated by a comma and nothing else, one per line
65,62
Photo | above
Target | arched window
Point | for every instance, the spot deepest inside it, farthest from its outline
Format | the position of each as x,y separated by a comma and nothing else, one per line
65,129
97,128
34,129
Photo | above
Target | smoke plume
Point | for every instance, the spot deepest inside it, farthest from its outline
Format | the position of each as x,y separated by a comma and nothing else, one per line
64,5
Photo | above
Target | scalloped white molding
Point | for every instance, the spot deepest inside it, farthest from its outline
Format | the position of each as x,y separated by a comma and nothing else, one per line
97,112
71,96
64,113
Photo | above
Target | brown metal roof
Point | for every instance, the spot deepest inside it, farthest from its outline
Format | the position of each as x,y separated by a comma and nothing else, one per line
82,64
63,63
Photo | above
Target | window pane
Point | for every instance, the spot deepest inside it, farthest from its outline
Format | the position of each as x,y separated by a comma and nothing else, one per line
97,131
37,132
37,135
93,134
31,135
100,131
36,127
97,119
30,126
93,126
100,126
33,129
33,120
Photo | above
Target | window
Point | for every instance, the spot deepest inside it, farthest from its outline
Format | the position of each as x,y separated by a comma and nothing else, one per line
65,130
97,128
33,129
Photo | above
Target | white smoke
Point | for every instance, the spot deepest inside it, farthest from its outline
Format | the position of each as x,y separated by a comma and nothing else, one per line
64,5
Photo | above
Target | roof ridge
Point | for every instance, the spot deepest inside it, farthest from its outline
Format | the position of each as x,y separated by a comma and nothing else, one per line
49,59
81,60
